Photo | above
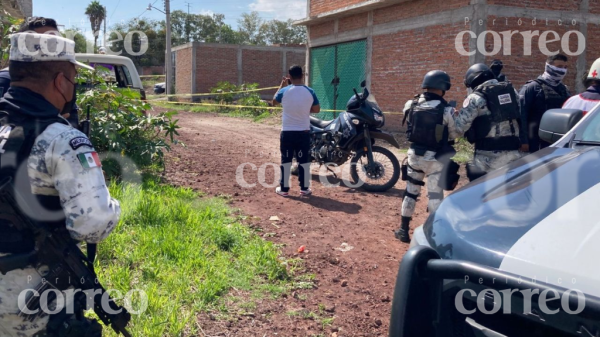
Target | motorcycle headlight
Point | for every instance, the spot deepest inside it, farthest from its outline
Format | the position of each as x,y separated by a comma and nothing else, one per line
379,117
355,121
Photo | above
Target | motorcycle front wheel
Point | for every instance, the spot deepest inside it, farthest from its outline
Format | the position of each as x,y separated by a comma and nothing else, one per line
379,176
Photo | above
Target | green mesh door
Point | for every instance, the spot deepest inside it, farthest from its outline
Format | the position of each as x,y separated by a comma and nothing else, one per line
351,60
322,72
334,71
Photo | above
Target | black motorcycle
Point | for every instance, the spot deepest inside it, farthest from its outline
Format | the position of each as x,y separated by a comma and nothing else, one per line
352,135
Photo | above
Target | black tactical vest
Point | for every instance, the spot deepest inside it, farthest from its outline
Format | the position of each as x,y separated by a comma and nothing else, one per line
426,129
502,102
17,137
554,97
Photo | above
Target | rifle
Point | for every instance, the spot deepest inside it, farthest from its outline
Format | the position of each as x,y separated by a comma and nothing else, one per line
68,266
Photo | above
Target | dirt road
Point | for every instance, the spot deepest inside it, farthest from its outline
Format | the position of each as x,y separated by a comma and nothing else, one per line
354,286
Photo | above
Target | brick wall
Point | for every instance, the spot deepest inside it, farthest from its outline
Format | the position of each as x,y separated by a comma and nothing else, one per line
520,68
398,68
320,30
563,5
415,8
263,67
353,22
214,65
153,70
183,72
219,63
321,6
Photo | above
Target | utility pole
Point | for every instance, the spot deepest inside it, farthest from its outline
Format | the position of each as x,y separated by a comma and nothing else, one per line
104,35
169,59
187,23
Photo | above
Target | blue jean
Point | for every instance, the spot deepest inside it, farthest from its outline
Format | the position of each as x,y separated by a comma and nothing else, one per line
295,142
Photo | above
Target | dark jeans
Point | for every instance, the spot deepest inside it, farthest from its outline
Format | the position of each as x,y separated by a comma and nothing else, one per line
299,142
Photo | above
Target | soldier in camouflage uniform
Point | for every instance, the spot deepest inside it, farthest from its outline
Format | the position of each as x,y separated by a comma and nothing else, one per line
490,119
51,163
430,127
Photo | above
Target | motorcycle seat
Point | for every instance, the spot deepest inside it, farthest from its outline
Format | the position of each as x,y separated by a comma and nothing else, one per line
319,123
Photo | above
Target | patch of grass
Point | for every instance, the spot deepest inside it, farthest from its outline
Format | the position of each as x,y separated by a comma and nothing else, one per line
464,151
185,253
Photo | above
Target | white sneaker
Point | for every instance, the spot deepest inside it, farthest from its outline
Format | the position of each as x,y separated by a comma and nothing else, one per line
281,193
306,192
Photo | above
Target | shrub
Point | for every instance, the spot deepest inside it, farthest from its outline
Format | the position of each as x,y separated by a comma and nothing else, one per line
123,125
231,94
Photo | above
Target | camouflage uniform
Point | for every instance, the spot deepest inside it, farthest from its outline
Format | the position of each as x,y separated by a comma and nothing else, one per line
55,169
486,161
427,164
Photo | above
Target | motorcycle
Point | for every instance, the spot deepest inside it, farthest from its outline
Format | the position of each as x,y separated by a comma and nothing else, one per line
352,135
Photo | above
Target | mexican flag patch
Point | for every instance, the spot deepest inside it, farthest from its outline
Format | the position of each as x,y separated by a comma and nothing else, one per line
89,160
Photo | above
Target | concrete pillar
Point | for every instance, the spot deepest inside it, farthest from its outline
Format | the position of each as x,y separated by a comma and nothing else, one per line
582,58
284,62
369,61
193,87
478,26
240,65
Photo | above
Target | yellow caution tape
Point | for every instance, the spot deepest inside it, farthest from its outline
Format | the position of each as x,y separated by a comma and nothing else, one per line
254,107
215,93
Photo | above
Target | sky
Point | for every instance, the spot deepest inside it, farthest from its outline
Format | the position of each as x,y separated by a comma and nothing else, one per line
70,13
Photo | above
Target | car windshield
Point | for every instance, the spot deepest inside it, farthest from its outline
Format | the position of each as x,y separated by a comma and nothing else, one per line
591,133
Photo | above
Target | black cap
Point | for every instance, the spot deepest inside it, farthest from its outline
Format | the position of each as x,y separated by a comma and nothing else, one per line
477,74
436,79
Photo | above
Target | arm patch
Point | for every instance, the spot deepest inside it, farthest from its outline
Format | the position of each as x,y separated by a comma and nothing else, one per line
78,142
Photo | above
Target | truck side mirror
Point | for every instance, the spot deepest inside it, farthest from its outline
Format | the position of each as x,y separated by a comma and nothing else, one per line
557,122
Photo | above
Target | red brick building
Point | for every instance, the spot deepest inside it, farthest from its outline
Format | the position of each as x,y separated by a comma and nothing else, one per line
200,66
403,39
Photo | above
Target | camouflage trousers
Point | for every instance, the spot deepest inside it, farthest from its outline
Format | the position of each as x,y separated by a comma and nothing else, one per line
421,167
11,286
489,161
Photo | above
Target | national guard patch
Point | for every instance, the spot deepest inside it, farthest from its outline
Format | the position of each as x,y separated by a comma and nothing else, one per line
466,102
78,142
504,99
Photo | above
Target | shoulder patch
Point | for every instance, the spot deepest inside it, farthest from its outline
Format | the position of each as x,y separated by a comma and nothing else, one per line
89,160
78,142
466,102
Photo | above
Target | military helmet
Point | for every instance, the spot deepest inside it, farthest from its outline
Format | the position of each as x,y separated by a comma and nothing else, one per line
436,79
477,74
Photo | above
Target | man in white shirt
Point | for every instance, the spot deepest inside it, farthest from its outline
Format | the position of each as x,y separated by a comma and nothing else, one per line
298,102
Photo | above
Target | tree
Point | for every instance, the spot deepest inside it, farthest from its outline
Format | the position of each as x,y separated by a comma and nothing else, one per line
82,45
97,14
249,29
201,28
155,32
283,32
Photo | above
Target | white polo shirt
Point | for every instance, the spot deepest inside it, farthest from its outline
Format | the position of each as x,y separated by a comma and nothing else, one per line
296,100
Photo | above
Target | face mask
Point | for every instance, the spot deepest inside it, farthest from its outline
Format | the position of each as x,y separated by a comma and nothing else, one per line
68,107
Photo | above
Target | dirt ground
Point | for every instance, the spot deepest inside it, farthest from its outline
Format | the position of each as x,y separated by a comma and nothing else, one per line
355,286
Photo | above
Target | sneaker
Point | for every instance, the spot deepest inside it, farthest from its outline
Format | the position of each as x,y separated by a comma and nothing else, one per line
306,192
281,193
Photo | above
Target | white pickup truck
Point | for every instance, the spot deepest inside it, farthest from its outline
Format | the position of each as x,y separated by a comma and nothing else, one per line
122,70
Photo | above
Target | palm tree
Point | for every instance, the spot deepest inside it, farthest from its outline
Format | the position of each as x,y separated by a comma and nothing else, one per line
96,12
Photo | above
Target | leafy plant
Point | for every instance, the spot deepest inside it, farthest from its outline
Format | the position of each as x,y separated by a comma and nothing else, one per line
231,94
8,25
123,125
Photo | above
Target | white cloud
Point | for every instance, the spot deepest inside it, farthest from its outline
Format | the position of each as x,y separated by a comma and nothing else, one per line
206,12
281,9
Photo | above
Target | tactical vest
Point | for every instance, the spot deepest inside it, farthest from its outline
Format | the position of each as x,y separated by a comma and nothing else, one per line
17,137
426,129
503,106
553,97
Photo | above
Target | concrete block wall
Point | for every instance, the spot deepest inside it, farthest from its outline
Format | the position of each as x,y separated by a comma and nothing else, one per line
200,67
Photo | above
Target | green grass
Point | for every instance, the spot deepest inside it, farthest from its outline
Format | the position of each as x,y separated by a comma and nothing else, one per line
186,253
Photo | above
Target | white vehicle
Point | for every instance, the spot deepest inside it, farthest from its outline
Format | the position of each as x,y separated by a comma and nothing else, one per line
122,70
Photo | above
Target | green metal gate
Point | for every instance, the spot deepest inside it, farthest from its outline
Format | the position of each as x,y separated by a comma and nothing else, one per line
335,71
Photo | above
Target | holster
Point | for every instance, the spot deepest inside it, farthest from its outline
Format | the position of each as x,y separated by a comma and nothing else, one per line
474,172
449,177
404,169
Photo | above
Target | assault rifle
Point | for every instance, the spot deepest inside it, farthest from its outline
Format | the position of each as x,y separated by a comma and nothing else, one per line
67,266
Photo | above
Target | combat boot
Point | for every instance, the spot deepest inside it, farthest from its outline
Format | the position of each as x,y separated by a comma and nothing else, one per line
402,233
